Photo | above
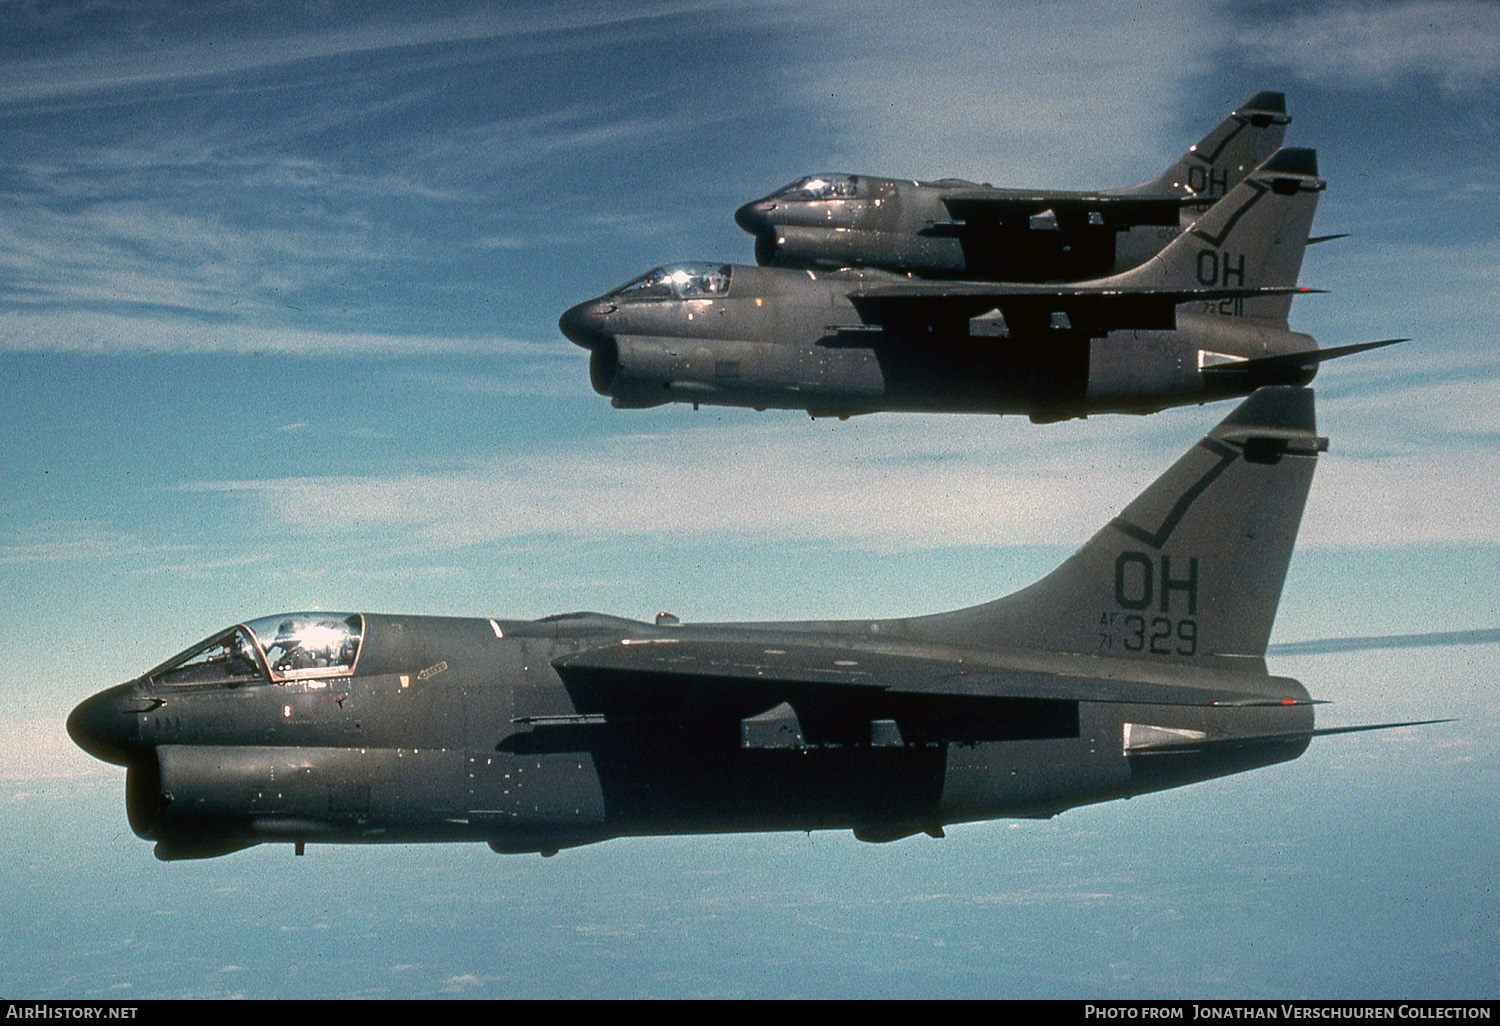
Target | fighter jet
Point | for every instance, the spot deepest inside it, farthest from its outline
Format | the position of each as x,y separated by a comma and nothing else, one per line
1204,319
1137,665
957,229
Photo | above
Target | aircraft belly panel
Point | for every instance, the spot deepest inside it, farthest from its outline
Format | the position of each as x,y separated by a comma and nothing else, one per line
1032,778
935,374
731,789
531,791
1140,370
1113,756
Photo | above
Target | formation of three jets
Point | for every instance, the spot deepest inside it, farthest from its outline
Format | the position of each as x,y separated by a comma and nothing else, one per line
1137,665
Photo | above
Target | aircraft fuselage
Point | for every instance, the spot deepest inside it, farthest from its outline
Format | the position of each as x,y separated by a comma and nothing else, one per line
782,339
908,227
478,730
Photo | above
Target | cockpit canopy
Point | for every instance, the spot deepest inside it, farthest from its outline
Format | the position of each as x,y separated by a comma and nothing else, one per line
291,646
821,187
679,281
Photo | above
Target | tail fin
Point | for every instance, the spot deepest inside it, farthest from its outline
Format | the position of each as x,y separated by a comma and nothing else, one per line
1191,571
1254,237
1227,154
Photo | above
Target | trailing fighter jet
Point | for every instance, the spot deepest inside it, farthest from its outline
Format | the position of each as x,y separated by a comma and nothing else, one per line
1204,319
1137,665
957,229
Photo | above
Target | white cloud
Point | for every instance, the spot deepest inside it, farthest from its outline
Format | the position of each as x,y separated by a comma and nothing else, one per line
85,331
1454,43
879,483
1060,94
1427,419
39,749
1418,498
1403,470
151,49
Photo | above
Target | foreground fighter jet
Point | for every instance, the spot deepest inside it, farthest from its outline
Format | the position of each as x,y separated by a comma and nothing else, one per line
958,229
1137,665
1204,319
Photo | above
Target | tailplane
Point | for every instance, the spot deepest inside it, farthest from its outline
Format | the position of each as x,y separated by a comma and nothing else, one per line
1191,571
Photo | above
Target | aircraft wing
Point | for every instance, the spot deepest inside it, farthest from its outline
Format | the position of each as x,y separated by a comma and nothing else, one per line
780,693
776,665
1029,309
1072,209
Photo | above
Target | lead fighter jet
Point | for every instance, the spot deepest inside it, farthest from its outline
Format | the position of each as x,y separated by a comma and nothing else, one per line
957,229
1137,665
1204,319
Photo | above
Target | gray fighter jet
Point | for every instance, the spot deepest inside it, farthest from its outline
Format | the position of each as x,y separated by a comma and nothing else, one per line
1204,319
1137,665
957,229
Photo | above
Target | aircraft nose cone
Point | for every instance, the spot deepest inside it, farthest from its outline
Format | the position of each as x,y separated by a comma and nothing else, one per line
755,217
106,725
584,324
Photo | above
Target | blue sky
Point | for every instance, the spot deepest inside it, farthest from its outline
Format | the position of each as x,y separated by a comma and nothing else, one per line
278,300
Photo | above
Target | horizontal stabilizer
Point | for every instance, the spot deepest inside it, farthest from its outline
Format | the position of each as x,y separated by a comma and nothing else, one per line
1275,369
1161,741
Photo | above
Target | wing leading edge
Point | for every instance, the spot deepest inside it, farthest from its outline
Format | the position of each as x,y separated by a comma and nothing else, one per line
776,663
1032,309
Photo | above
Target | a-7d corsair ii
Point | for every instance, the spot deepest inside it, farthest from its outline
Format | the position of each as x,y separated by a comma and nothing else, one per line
957,229
1204,319
1137,665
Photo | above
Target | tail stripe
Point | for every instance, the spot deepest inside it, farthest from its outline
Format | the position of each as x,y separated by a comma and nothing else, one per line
1174,516
1259,190
1213,155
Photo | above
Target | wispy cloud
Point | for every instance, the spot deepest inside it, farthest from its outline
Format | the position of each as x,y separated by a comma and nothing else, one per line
246,181
127,48
1403,473
115,332
1451,43
37,748
1030,95
892,487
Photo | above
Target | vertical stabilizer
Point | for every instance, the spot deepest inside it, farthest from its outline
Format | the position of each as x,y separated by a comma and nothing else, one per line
1191,571
1227,154
1254,237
